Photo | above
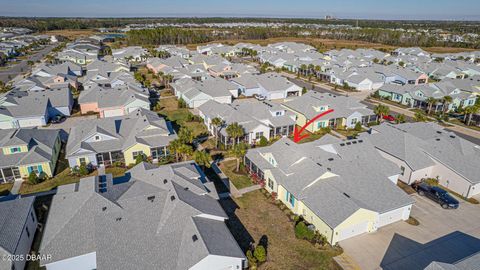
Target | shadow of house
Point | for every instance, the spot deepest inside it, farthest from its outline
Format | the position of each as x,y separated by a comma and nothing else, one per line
238,230
404,253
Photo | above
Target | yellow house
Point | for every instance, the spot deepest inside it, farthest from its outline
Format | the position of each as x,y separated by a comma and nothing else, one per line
28,150
344,111
334,185
107,141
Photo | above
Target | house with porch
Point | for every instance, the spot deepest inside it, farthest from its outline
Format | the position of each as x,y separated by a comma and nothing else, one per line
114,101
342,188
195,93
103,142
270,85
426,150
165,218
28,150
257,118
416,96
347,111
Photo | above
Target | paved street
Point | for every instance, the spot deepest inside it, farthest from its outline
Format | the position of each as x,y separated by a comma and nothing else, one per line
23,66
443,235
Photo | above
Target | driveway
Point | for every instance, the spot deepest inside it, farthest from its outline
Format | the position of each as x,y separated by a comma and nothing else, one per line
70,122
443,235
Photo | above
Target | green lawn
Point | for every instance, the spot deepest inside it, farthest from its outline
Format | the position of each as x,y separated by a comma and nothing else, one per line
257,217
179,116
240,179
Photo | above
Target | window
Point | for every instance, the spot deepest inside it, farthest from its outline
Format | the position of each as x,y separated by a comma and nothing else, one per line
270,183
290,199
36,169
137,153
97,138
353,121
278,113
258,135
15,150
321,124
402,169
82,161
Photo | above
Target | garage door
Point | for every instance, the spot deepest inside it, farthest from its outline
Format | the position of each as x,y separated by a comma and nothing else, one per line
353,230
112,113
277,95
390,217
31,122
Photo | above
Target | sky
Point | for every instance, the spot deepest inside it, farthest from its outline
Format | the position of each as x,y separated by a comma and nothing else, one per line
351,9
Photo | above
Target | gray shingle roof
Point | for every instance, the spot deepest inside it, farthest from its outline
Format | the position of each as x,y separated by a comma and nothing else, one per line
334,179
418,144
13,216
40,142
124,130
147,223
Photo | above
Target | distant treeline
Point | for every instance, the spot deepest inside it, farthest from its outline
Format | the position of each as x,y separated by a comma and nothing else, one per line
44,24
170,35
384,32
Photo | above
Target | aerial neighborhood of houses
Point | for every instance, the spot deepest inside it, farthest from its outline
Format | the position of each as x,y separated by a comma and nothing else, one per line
130,145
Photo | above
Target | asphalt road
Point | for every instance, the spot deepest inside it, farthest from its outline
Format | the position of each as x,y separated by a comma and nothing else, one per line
23,66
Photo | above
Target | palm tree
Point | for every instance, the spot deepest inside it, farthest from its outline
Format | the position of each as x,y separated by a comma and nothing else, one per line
430,101
238,151
216,122
235,131
185,135
420,116
469,112
381,110
174,146
202,158
447,100
400,119
185,150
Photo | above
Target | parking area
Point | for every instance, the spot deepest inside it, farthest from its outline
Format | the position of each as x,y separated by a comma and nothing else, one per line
70,122
443,235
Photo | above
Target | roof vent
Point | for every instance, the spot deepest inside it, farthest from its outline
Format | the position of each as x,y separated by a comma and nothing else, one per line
452,136
194,238
104,208
151,198
118,219
319,164
360,141
346,195
328,169
342,144
165,181
172,198
437,139
439,132
330,159
349,143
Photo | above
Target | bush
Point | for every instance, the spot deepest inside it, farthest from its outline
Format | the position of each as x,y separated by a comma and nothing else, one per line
140,158
263,141
33,178
358,126
303,232
252,261
83,170
260,254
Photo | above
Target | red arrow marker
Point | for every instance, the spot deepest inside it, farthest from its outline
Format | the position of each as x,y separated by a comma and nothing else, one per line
297,132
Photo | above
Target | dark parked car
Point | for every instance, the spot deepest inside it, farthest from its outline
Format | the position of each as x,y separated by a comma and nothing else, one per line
437,194
58,119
